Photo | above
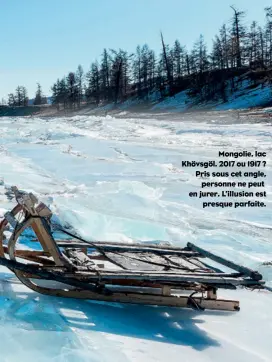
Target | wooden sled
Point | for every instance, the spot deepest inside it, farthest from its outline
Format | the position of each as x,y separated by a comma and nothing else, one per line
141,273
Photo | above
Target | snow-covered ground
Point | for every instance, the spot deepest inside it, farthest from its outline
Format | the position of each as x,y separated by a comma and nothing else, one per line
122,179
244,97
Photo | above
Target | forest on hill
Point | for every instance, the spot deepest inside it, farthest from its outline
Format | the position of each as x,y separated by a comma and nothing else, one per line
118,75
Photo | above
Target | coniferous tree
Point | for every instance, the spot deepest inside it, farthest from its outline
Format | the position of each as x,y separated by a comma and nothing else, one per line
262,47
137,64
268,36
63,93
224,39
118,74
179,55
39,98
56,94
105,75
217,57
124,73
253,46
72,90
200,56
92,92
11,100
151,68
24,96
18,96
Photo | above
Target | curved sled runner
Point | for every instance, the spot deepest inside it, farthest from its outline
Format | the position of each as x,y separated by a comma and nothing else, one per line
142,273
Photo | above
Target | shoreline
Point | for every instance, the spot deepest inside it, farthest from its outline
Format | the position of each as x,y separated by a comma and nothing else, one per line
261,113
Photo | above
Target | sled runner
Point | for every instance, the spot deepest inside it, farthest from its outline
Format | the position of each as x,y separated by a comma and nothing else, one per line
145,273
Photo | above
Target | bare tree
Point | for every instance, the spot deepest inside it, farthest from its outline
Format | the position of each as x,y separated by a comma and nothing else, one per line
238,33
167,64
79,80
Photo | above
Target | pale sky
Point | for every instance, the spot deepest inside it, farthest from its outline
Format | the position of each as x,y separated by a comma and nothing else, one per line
44,40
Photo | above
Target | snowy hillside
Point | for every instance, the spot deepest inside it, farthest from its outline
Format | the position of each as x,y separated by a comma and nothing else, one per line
122,180
244,97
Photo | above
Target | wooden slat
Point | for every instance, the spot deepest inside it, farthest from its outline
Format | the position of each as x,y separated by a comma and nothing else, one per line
29,252
146,261
185,263
135,248
47,242
112,276
21,269
146,299
241,269
4,223
38,259
90,292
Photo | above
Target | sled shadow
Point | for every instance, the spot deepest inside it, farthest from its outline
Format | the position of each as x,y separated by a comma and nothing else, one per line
32,311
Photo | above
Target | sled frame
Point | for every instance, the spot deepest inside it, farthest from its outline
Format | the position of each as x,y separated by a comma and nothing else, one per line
105,271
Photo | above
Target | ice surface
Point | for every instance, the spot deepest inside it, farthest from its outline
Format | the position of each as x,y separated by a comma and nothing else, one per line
122,179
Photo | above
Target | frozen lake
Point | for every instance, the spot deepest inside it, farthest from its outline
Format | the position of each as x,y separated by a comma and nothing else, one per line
122,180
